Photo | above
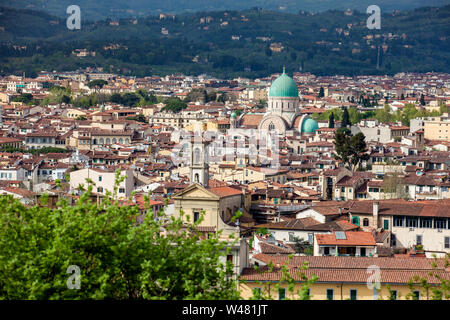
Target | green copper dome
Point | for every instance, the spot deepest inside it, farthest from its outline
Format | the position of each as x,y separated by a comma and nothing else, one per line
234,115
309,126
283,86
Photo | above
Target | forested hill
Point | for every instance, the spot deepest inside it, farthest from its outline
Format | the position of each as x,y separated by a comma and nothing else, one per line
114,9
230,43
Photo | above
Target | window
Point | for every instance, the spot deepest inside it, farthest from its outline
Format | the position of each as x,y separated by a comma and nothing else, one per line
365,222
447,242
386,224
121,190
353,294
363,252
418,239
426,222
355,221
439,223
99,189
99,178
394,294
291,237
342,189
281,293
196,216
399,221
416,295
311,238
411,222
330,294
326,251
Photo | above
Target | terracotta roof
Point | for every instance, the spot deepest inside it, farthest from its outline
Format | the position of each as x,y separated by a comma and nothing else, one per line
346,269
251,120
225,191
270,248
353,238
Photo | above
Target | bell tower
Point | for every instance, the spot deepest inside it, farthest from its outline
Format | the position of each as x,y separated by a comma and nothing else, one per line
199,164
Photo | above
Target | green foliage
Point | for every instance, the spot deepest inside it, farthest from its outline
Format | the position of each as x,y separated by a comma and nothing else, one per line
345,119
337,114
97,84
148,52
26,98
43,150
351,150
303,246
139,118
262,231
118,257
331,121
174,105
321,92
433,291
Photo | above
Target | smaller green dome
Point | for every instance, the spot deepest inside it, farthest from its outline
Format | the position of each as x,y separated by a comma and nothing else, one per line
309,126
233,114
283,86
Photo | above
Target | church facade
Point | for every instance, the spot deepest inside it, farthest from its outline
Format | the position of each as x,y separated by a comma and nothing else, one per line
283,110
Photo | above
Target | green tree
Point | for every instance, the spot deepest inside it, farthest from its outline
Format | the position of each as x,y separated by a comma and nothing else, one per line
321,92
422,100
351,150
118,257
345,119
331,121
383,115
174,105
439,289
97,84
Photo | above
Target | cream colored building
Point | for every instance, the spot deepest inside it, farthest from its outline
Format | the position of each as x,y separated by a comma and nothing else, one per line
103,180
437,128
342,278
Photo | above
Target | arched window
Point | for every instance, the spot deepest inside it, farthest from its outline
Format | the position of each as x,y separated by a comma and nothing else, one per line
197,156
127,140
365,222
271,126
108,141
102,141
196,178
120,140
114,140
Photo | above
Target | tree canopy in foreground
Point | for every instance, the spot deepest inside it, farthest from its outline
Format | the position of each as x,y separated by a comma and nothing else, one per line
118,258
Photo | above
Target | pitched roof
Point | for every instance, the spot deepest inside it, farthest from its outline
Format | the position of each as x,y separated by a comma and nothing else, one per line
346,269
352,238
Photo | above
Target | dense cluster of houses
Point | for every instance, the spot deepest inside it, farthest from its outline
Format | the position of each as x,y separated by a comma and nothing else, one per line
394,213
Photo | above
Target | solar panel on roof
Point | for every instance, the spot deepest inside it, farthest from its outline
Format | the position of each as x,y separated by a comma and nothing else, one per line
340,235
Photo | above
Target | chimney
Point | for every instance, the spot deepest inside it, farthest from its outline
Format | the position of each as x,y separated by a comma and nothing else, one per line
375,214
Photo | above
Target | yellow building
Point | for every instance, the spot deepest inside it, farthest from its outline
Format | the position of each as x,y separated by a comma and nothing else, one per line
341,278
437,128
